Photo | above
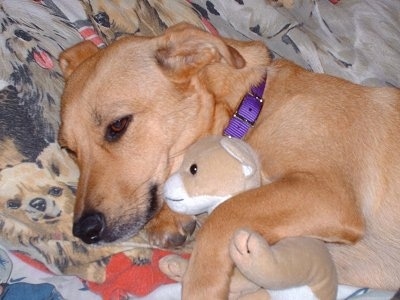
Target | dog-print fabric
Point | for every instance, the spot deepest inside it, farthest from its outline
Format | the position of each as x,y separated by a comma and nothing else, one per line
354,39
15,284
38,179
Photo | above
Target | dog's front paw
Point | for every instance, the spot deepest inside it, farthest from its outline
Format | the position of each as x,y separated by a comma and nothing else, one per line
141,257
140,252
170,230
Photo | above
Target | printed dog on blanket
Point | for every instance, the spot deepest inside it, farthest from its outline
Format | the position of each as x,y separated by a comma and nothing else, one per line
30,78
37,200
116,18
329,146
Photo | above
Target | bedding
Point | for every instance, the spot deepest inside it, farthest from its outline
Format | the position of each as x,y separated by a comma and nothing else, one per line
358,40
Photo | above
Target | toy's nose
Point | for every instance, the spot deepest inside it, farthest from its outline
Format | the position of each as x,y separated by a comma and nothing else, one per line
89,228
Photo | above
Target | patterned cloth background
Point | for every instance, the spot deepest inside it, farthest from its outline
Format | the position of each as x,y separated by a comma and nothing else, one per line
38,179
355,39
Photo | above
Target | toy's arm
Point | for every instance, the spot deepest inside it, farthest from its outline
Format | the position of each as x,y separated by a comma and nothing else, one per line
174,266
299,204
292,262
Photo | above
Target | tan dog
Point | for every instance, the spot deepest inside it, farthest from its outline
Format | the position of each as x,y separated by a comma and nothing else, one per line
330,147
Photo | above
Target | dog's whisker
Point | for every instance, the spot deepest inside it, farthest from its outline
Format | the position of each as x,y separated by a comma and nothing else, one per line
140,185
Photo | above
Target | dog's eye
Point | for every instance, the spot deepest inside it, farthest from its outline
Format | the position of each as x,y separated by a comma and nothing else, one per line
117,128
55,191
193,169
14,203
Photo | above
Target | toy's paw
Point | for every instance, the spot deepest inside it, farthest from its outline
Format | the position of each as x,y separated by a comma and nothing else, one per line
169,229
173,266
251,254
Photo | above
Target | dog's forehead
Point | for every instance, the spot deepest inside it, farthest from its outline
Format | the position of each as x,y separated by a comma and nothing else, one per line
112,75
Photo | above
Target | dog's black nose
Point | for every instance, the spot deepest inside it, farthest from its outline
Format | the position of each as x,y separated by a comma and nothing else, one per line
89,228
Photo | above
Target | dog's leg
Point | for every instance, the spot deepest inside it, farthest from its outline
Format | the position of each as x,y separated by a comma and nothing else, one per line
169,229
297,205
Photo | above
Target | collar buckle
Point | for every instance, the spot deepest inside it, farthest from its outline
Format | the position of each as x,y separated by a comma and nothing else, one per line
247,113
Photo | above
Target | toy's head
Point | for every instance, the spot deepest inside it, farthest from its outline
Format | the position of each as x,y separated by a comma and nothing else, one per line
213,170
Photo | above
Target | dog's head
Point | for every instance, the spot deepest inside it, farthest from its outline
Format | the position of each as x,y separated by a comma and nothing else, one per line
130,110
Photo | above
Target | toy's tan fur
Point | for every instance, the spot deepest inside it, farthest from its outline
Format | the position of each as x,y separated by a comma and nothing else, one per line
330,147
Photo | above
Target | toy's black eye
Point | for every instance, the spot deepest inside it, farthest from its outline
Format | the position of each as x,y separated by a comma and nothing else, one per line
117,128
193,169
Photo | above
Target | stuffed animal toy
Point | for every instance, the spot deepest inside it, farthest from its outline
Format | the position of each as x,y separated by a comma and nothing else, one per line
213,170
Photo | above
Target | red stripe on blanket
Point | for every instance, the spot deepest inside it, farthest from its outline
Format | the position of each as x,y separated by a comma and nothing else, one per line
88,33
123,277
209,26
34,263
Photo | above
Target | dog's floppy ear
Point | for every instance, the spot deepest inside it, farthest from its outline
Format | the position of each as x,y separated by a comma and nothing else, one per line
71,58
186,49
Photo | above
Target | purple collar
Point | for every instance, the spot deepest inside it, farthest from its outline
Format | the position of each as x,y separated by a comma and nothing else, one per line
247,113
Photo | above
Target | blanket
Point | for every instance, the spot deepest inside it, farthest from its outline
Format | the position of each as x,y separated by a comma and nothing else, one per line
37,179
357,40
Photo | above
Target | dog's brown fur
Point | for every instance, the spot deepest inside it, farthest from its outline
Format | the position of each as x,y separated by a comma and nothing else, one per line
330,146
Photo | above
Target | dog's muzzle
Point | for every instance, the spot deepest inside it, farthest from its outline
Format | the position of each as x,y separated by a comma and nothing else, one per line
89,228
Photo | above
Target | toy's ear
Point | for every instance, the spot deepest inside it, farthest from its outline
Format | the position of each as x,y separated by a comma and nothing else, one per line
242,152
185,49
71,58
247,170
